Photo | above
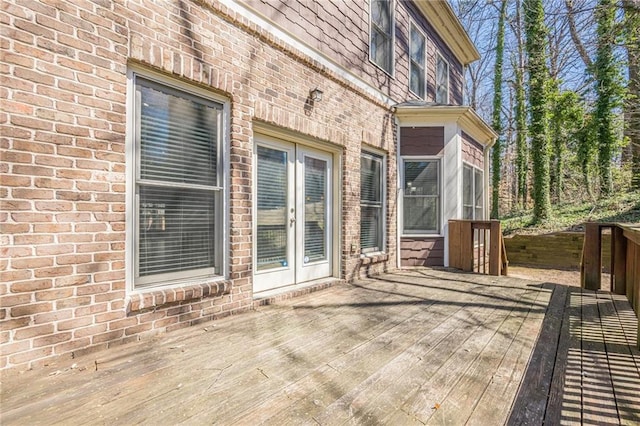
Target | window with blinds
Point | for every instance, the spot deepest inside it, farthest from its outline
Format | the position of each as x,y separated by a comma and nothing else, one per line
371,203
178,193
472,193
417,74
442,80
381,41
421,198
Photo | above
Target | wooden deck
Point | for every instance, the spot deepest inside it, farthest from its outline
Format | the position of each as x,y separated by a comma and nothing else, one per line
421,346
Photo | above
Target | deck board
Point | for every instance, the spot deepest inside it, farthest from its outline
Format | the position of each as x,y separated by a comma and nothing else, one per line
413,347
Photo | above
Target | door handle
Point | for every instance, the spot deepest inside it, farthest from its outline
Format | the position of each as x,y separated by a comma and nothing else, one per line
292,221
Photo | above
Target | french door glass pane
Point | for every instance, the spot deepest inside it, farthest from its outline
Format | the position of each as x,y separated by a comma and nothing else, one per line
315,214
272,208
176,230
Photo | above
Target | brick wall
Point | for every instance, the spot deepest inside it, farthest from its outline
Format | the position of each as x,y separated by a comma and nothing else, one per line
63,285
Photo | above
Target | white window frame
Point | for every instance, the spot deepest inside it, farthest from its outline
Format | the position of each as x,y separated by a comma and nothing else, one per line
383,204
392,36
183,278
440,57
474,169
424,233
415,27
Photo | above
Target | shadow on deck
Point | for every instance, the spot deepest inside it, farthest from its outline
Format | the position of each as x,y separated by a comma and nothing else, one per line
419,346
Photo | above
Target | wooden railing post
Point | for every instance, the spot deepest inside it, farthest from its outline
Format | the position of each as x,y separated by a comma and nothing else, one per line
455,251
466,246
495,257
619,261
591,257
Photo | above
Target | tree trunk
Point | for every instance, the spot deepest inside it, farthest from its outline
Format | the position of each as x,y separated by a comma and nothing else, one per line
538,76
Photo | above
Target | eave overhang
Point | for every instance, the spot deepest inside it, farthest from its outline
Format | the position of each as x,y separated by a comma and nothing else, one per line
413,113
445,22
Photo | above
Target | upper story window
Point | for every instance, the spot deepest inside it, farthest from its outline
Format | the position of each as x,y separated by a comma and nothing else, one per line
178,185
421,198
381,41
417,74
442,80
371,203
472,193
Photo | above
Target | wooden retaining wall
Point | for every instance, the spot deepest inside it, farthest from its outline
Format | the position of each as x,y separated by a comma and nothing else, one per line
558,250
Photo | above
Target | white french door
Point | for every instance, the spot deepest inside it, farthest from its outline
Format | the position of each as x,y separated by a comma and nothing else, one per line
294,227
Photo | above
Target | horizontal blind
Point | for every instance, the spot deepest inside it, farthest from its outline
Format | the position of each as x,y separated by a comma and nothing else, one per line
176,230
370,180
272,208
315,206
421,178
178,137
370,228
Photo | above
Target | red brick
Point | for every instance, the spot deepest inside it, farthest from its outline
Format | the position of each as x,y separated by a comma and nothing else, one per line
15,323
55,271
32,194
15,205
14,347
24,357
54,249
70,280
90,331
57,294
8,276
31,262
52,183
63,348
106,337
74,323
51,340
31,285
30,309
73,302
30,239
49,317
35,331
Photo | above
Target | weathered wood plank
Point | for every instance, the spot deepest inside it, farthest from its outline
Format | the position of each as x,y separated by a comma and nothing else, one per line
497,399
562,406
465,399
598,401
531,401
381,351
623,368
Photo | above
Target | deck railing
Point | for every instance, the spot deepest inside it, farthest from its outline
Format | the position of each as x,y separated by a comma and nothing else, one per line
474,244
625,261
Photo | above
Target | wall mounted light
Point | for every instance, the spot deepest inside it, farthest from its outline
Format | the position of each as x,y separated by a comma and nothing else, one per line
315,95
